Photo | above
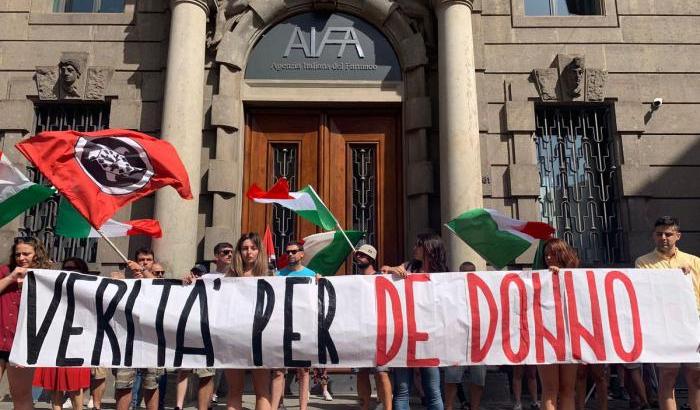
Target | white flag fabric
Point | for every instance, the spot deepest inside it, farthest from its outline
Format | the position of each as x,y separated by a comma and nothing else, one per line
442,319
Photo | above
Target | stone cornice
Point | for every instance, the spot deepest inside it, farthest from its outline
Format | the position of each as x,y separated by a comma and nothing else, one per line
204,4
441,3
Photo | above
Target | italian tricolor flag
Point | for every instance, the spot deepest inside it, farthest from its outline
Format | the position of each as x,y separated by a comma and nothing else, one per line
72,225
496,237
17,192
305,203
325,252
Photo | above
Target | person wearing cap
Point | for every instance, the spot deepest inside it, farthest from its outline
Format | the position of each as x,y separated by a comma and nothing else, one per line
365,258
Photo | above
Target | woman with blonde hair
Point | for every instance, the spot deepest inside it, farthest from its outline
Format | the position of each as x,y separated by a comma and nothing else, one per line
26,254
249,260
558,380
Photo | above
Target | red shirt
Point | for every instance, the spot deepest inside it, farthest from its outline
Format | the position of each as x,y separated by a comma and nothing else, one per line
9,309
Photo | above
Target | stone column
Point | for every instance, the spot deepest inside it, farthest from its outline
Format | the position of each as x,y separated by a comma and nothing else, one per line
182,126
460,159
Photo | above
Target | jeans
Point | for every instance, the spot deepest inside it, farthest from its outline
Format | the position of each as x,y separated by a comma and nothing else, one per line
136,391
403,382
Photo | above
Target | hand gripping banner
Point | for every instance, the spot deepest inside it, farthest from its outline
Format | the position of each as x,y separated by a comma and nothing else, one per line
446,319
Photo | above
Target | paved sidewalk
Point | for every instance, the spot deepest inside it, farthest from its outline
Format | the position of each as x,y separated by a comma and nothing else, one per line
339,403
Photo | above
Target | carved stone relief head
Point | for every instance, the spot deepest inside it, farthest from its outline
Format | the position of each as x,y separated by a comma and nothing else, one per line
574,75
70,70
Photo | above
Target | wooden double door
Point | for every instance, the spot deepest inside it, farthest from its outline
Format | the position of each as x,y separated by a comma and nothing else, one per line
353,160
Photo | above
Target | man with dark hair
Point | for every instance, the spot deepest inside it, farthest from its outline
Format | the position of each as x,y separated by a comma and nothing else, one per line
295,254
223,257
126,382
666,255
142,267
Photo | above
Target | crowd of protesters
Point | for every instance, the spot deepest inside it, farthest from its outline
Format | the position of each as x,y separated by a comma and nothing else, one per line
555,386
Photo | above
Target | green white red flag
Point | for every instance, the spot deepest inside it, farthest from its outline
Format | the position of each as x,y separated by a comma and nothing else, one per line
17,192
496,237
325,252
305,203
71,224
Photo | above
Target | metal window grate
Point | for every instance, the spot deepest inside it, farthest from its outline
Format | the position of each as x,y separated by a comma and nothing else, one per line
40,220
579,182
364,192
285,165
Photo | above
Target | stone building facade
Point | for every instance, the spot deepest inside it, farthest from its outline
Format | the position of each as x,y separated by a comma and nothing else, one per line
541,117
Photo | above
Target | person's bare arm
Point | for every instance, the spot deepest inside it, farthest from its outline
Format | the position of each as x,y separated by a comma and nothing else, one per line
15,276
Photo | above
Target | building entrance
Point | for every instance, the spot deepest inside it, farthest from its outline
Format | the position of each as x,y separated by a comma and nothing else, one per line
353,160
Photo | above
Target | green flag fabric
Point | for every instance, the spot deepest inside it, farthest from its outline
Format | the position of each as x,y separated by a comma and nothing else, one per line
496,237
325,252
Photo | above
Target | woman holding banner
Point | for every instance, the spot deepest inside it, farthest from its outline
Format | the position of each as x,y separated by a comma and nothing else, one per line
558,380
249,259
27,253
63,381
429,256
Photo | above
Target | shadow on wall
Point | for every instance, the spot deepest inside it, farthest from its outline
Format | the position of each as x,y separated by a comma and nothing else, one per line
661,176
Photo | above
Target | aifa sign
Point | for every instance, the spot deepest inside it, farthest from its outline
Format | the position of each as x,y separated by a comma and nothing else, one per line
323,46
349,38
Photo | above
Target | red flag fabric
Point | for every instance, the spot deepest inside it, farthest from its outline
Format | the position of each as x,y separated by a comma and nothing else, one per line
269,244
278,191
99,172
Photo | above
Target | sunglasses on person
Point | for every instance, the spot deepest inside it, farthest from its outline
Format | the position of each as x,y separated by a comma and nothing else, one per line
226,252
159,272
292,251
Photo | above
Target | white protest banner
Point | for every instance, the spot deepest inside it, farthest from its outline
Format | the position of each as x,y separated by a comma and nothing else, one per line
602,315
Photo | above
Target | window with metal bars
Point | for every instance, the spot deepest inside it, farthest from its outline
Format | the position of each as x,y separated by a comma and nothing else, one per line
88,6
40,220
563,8
579,188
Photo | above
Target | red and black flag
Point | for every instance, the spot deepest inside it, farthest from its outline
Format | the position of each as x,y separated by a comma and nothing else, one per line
99,172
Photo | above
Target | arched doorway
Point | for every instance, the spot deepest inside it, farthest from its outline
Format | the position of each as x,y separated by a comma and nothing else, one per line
349,153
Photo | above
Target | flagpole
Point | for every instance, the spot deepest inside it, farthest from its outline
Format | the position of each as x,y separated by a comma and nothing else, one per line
337,224
113,246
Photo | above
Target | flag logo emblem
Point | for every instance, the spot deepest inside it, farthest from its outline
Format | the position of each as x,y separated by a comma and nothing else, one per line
117,165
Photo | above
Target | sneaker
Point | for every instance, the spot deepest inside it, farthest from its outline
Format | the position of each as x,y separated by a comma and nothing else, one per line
327,396
535,405
214,398
518,406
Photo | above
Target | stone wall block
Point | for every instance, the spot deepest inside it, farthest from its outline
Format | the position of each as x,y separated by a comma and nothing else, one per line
397,25
105,253
524,148
221,177
413,51
233,48
16,115
378,10
225,111
125,114
528,209
417,111
419,178
635,180
267,10
214,235
629,117
524,179
520,116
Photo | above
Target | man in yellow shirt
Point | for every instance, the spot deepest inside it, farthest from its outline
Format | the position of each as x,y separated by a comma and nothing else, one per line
667,233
